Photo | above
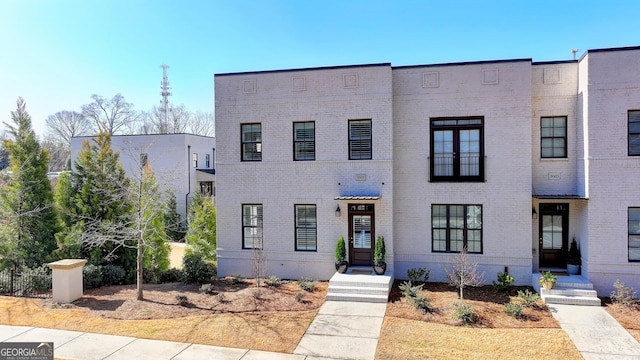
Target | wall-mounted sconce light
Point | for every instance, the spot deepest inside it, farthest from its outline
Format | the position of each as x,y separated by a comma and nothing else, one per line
338,212
534,213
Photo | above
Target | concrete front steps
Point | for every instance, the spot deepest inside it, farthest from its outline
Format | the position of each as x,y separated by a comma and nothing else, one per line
568,290
359,285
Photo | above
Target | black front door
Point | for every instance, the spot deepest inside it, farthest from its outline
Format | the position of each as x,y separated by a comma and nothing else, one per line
554,229
361,234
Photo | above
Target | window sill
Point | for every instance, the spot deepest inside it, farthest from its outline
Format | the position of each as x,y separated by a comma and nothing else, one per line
555,159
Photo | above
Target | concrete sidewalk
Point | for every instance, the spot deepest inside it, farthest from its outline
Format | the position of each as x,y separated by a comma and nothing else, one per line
89,346
595,333
344,330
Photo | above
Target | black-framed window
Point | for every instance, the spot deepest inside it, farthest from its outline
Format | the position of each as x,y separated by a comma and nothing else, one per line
206,188
207,160
251,142
553,137
634,132
457,149
360,143
306,227
304,140
144,159
454,227
252,226
634,233
194,158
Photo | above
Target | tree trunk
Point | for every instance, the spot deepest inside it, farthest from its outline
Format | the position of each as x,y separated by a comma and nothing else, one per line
139,271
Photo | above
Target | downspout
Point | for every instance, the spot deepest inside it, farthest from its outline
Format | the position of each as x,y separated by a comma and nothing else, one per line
186,197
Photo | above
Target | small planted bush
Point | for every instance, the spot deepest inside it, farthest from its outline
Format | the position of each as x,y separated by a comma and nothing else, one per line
298,296
307,284
465,313
221,298
527,298
237,280
513,309
196,270
418,274
273,281
171,275
207,289
421,303
92,276
503,281
113,275
182,300
623,294
408,290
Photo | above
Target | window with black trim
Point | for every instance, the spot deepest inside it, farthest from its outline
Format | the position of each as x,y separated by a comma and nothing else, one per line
304,141
194,160
454,227
144,159
306,228
252,226
251,142
457,149
206,188
634,132
553,137
207,160
634,233
360,144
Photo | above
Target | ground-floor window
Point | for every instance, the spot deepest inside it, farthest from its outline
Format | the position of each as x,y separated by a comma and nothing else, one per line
252,226
206,188
634,234
306,227
454,227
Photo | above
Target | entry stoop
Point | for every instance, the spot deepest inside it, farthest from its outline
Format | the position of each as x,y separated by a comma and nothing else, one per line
357,284
568,290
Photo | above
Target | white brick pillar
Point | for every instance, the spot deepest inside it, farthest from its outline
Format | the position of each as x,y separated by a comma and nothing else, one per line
67,280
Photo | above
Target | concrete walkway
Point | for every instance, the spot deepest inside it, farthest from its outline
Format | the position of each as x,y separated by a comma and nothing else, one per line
595,333
344,330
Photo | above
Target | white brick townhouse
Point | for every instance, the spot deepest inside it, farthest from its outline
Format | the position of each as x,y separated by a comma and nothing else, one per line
181,163
511,158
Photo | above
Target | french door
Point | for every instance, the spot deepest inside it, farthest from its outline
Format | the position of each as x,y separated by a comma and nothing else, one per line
361,234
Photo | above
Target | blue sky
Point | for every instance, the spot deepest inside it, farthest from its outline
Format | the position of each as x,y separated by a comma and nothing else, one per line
56,54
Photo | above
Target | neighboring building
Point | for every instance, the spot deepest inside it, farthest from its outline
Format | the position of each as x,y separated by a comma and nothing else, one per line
182,163
510,158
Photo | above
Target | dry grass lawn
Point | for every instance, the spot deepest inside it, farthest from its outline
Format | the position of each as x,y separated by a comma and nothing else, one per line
627,315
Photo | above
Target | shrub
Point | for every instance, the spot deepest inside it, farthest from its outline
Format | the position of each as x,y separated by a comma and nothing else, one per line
408,290
207,289
273,281
421,303
92,276
150,276
196,270
307,284
503,282
171,275
513,309
418,274
182,300
237,280
528,298
256,293
112,275
623,295
465,313
36,279
221,297
298,296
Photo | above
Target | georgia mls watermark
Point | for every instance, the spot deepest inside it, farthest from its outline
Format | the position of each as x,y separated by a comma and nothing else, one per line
26,351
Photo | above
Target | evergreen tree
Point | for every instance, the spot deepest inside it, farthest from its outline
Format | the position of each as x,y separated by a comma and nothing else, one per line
173,221
28,214
201,232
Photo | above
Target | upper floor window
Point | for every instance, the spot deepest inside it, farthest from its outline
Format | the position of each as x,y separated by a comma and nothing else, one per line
144,159
634,233
207,161
360,140
252,226
251,142
306,227
634,132
304,140
457,149
455,227
553,137
195,160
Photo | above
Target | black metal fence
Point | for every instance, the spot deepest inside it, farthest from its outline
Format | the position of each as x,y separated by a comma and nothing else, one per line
29,283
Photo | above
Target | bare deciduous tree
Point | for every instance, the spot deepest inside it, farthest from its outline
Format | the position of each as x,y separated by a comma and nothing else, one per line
110,116
59,153
202,123
175,121
64,125
464,272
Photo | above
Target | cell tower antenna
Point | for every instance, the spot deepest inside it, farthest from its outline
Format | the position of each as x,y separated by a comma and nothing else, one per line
574,51
165,87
